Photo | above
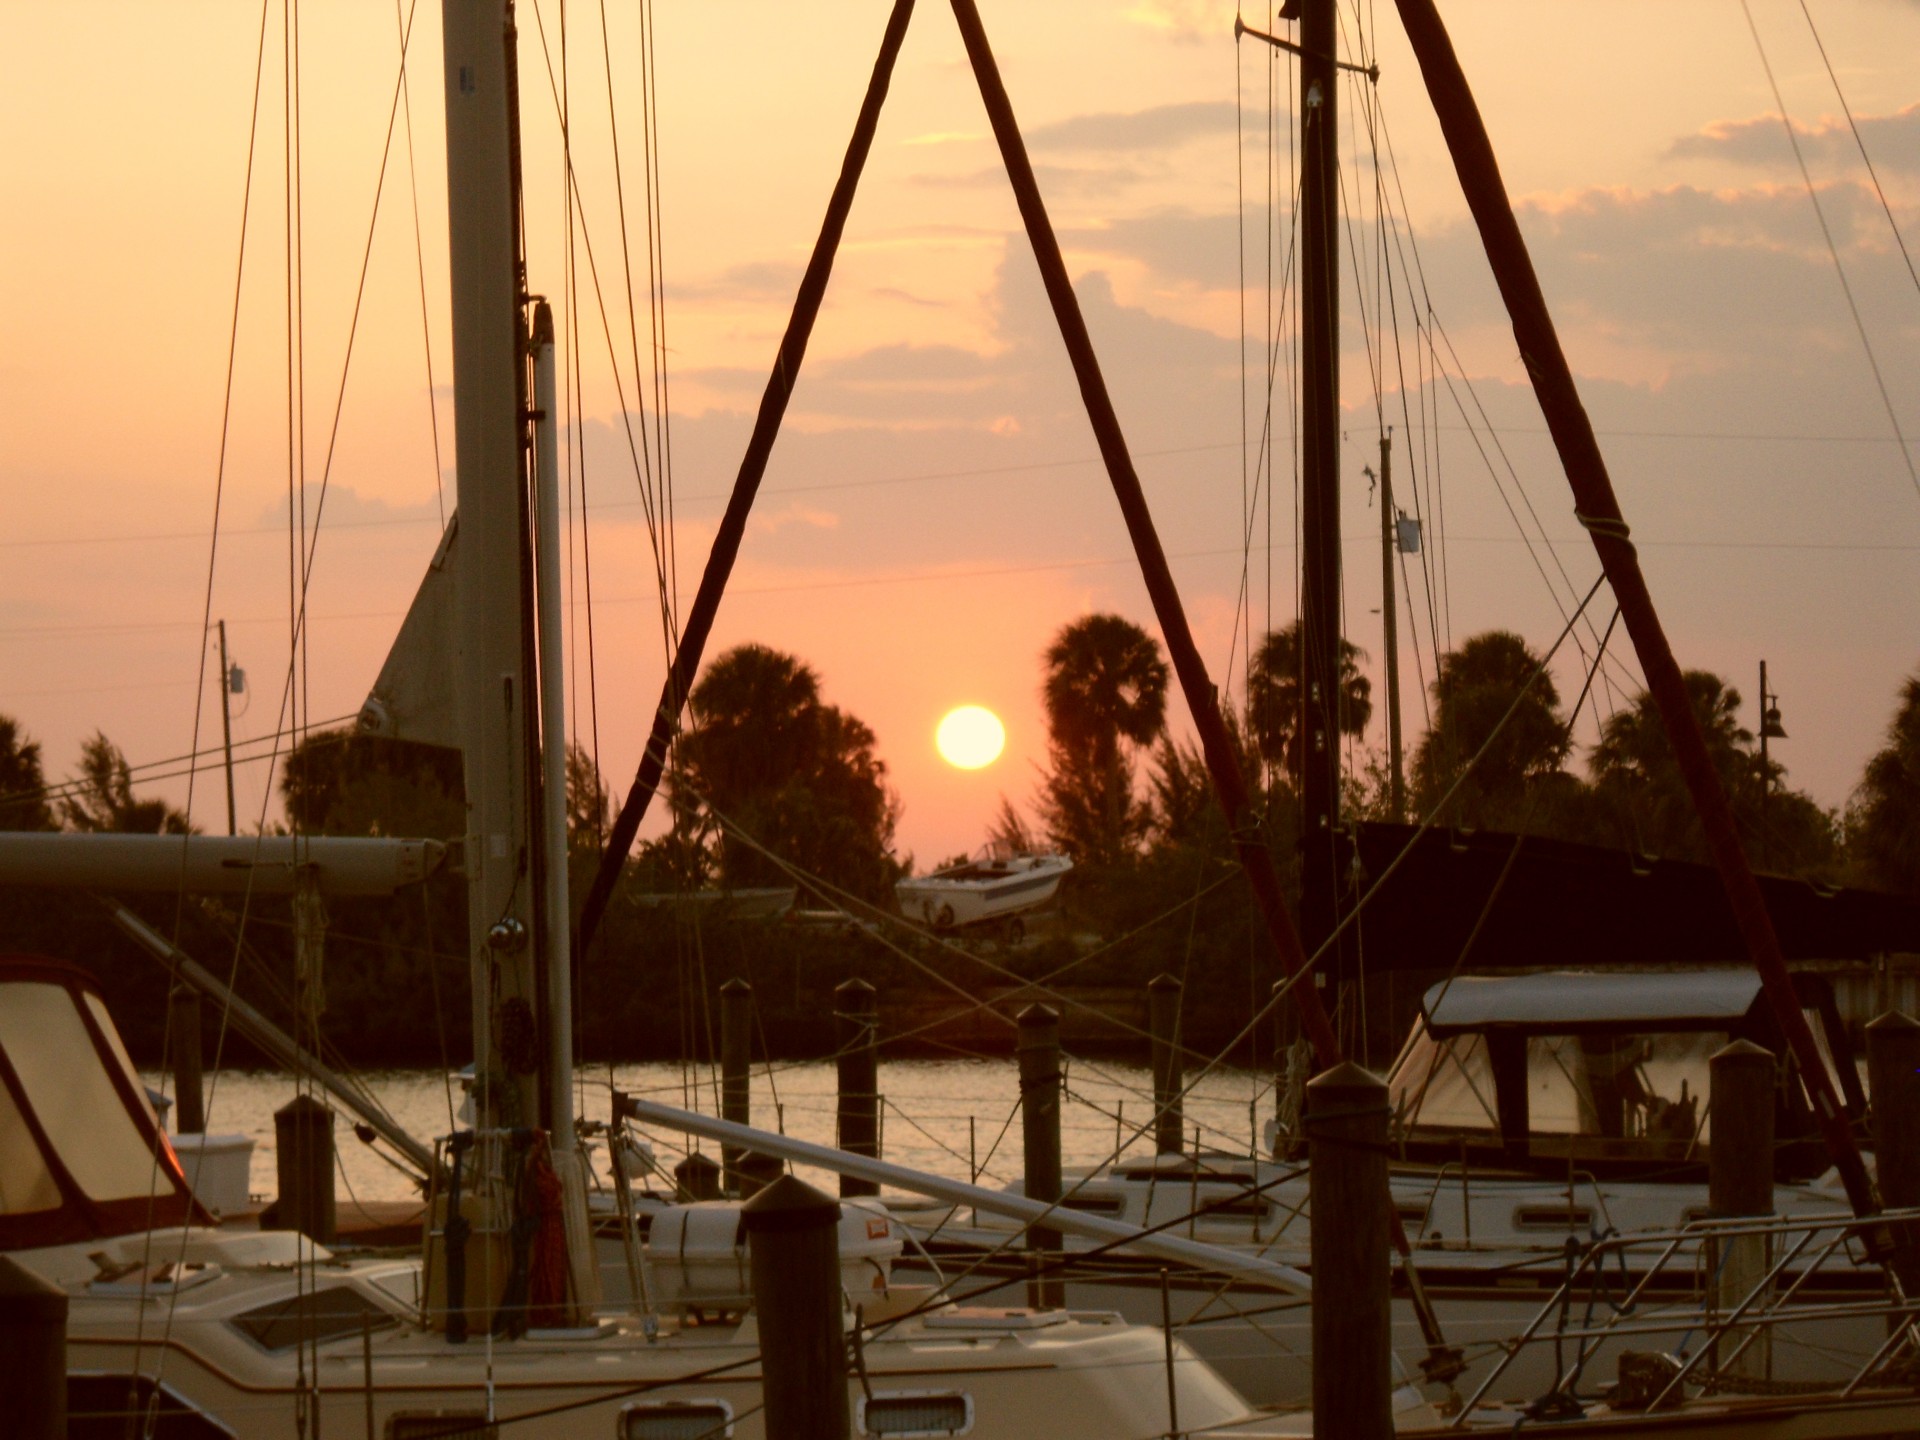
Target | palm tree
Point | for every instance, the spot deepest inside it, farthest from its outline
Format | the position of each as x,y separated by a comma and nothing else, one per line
1474,690
1106,687
1275,700
1635,774
1883,821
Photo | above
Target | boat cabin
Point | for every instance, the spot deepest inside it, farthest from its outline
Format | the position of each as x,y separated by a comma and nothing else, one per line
1607,1071
82,1153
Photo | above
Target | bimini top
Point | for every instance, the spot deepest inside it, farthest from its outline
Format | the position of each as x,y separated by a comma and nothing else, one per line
82,1154
1564,1002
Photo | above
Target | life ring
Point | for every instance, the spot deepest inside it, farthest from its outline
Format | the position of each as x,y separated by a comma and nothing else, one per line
943,918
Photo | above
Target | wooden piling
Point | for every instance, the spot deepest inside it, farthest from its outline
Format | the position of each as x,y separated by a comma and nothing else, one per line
794,1244
1346,1124
303,1137
1893,1070
857,1011
33,1338
736,1058
183,1040
1039,1054
1163,1025
1740,1182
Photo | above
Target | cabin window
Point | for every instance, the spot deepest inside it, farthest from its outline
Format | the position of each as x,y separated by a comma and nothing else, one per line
1551,1217
1095,1204
73,1097
1601,1086
906,1414
26,1184
677,1420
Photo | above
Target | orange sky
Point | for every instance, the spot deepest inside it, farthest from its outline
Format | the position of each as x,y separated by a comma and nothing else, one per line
934,512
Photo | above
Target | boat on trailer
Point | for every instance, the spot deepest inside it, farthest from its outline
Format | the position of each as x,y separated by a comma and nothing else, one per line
991,887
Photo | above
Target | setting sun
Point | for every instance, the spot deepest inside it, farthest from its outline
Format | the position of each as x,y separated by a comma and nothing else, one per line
970,737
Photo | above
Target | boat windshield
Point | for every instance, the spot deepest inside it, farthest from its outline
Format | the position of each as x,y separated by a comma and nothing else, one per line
1613,1087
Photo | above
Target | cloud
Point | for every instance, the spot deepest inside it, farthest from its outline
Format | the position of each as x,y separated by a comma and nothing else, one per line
772,522
341,505
1176,244
1187,20
761,280
1159,128
1891,141
1055,180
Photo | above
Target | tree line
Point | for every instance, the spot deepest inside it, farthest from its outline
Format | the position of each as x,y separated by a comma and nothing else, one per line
771,784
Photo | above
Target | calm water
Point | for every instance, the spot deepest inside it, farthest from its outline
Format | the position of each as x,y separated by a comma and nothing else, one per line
931,1111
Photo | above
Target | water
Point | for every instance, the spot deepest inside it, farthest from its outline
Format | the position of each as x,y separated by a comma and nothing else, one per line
955,1117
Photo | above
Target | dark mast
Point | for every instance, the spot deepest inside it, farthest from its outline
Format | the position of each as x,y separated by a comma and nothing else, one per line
1320,485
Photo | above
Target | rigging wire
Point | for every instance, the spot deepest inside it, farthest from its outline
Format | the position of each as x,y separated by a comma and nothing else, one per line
1833,250
1860,144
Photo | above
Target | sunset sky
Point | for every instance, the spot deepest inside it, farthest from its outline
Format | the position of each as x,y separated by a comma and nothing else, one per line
934,510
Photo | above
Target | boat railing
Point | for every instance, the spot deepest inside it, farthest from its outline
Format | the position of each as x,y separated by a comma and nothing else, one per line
1724,1286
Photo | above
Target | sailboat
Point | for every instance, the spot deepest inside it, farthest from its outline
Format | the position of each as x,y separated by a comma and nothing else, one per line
498,1328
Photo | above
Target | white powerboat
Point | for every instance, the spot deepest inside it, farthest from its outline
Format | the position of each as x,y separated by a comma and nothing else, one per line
993,887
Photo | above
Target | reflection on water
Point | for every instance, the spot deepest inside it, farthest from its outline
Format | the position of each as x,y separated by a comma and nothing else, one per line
936,1114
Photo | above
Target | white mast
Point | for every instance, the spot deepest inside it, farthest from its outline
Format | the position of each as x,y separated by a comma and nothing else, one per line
490,649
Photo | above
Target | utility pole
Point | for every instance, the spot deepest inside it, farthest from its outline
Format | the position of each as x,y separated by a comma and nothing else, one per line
226,724
1389,623
1320,483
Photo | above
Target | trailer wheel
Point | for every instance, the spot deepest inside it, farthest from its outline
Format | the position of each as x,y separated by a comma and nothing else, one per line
1016,930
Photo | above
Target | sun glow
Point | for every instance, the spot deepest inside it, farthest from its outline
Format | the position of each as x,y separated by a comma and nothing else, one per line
970,737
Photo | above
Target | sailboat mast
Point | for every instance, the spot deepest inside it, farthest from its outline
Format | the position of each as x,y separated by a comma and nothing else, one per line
1320,481
491,642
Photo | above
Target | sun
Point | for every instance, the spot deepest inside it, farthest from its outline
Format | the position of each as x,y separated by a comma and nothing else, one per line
970,737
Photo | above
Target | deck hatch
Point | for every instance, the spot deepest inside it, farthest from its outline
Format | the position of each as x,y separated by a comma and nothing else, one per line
311,1319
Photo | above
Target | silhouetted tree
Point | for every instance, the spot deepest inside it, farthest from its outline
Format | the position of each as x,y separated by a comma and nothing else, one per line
1105,690
1645,804
340,782
589,804
1883,820
1010,830
23,784
1274,697
774,769
102,797
1473,691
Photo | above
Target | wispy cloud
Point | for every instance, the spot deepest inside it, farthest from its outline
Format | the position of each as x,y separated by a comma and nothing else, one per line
1891,141
1160,127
